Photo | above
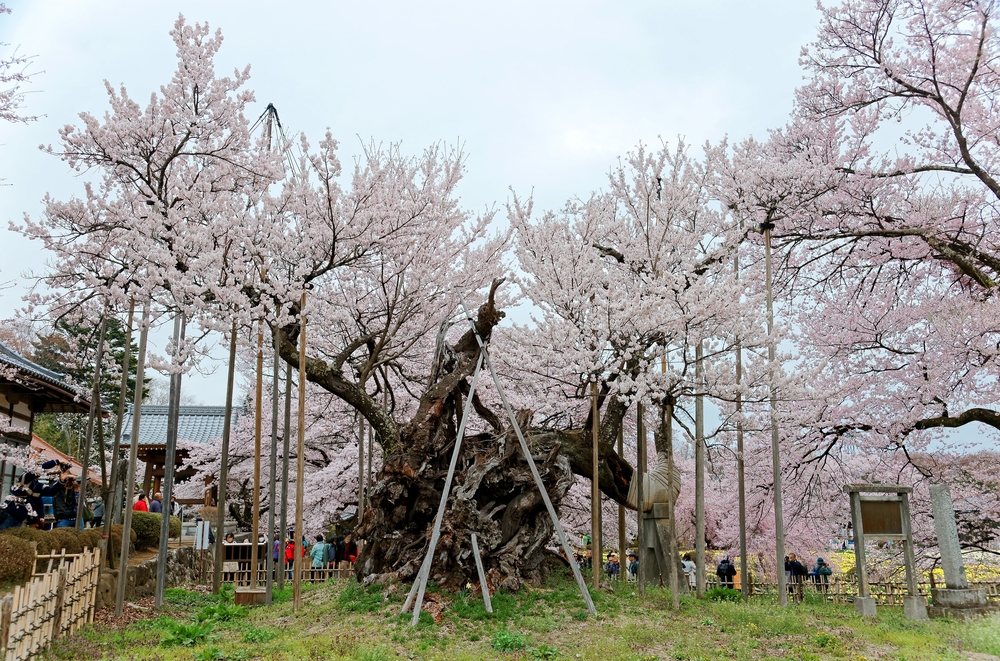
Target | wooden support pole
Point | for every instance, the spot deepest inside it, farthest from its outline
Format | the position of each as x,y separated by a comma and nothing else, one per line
272,471
699,471
93,420
640,461
667,419
300,461
779,525
361,465
285,448
526,453
140,377
745,586
595,491
420,584
622,536
220,515
482,575
169,462
259,411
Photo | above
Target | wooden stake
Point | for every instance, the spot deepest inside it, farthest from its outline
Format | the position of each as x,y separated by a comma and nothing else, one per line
487,603
640,461
300,461
745,587
779,525
361,465
220,516
622,536
180,323
595,492
699,471
667,419
286,434
255,525
93,420
272,474
140,376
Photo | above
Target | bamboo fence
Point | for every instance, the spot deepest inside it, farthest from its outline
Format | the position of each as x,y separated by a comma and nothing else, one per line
53,603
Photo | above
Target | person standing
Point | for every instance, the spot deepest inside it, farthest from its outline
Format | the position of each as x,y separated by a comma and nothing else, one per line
350,548
156,505
797,571
726,571
98,514
690,571
140,503
318,556
64,501
633,566
613,567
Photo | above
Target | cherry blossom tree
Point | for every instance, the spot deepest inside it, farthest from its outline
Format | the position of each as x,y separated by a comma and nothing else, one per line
13,76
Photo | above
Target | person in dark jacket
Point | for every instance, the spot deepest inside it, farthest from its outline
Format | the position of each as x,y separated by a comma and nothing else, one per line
350,549
798,572
19,506
726,571
64,501
341,552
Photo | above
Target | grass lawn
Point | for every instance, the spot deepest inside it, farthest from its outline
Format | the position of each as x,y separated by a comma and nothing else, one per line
345,621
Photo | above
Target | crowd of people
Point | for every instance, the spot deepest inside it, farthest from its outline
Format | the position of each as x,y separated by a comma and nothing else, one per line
796,573
47,498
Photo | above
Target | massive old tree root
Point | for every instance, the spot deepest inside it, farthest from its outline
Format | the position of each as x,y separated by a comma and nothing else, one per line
494,496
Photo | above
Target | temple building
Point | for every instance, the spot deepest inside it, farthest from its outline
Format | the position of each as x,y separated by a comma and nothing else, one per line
27,388
195,424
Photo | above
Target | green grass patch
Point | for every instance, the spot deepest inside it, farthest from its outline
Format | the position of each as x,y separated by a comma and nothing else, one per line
345,620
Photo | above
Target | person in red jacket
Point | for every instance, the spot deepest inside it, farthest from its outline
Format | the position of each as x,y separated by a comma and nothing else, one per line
140,503
290,555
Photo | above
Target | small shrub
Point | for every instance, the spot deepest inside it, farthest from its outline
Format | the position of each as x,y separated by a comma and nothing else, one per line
508,641
221,613
65,538
255,635
185,634
29,534
824,639
91,537
544,652
17,559
115,540
146,526
724,594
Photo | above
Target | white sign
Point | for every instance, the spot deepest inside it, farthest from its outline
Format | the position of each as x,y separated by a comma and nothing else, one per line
201,536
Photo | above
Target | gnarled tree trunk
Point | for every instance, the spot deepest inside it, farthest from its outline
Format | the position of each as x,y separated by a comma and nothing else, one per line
493,495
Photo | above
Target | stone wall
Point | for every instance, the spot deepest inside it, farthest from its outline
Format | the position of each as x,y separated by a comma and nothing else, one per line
183,566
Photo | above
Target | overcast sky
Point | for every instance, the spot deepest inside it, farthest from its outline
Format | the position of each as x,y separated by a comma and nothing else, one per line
544,96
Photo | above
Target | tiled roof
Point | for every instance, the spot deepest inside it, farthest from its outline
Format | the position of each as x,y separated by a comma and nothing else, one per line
14,359
197,424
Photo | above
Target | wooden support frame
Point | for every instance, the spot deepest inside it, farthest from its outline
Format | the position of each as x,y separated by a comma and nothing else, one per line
420,584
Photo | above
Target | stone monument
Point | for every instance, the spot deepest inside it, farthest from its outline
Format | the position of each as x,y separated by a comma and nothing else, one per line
957,600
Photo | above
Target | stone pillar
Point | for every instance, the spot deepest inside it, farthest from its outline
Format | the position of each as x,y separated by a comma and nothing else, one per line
957,600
